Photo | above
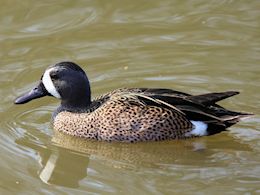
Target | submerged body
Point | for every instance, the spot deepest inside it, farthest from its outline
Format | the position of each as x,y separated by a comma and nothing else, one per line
129,115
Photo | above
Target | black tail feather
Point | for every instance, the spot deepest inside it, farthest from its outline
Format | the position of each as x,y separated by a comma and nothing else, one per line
217,127
212,98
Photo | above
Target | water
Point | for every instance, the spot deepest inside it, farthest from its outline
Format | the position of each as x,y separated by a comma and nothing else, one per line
192,46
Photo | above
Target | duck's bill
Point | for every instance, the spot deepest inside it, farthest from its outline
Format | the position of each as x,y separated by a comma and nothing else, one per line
37,92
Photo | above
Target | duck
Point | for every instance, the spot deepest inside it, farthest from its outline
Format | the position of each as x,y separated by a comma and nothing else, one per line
129,114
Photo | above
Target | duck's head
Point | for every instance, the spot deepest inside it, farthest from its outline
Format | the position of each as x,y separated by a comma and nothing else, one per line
65,81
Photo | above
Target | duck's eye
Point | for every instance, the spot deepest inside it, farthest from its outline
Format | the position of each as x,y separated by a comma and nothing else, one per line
54,75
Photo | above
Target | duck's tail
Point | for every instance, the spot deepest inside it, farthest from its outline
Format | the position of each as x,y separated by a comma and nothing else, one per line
219,118
231,120
215,127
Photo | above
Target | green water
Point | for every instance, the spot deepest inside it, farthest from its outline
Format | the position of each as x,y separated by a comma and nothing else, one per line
192,46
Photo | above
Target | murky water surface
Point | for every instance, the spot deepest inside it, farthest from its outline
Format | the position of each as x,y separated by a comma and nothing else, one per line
192,46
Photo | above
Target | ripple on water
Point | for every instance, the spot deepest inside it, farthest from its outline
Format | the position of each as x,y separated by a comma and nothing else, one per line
28,127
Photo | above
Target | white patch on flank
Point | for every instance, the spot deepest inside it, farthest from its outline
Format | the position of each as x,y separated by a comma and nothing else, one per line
48,84
199,129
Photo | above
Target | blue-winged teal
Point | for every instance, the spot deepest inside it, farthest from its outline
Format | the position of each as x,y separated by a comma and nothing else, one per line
129,115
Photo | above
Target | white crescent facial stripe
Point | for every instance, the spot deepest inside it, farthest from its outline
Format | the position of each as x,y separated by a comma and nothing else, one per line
48,84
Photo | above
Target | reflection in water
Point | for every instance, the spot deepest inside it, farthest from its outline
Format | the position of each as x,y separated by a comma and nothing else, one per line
151,154
65,162
60,169
60,166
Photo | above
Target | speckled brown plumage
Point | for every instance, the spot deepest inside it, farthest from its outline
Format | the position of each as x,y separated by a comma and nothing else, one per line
123,117
130,115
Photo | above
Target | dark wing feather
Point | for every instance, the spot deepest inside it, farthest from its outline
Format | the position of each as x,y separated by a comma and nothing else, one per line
201,107
212,98
198,107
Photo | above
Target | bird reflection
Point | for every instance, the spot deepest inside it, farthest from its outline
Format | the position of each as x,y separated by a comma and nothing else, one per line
65,161
64,168
60,166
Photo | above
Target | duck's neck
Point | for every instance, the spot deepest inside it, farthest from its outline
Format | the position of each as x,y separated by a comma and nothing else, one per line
79,100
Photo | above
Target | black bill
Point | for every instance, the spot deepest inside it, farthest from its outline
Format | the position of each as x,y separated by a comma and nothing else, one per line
35,93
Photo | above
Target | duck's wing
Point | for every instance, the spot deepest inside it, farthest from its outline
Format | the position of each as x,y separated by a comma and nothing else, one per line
187,113
177,97
133,115
201,106
195,107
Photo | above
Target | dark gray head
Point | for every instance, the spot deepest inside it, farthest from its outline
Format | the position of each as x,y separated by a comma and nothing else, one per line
65,81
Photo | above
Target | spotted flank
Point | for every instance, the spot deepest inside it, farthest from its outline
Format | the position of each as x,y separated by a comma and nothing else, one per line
130,115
